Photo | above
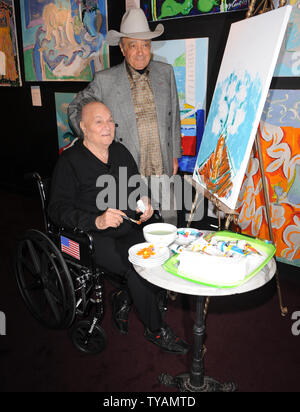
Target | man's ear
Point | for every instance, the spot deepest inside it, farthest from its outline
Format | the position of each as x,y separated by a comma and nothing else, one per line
121,47
82,127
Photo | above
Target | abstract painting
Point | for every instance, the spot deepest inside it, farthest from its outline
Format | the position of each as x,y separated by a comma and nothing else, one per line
64,39
169,9
189,60
239,97
64,132
288,64
279,134
9,55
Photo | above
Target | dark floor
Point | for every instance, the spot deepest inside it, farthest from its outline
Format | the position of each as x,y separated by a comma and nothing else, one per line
247,341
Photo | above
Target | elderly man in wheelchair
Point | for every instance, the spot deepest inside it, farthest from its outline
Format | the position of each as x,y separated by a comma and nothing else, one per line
87,196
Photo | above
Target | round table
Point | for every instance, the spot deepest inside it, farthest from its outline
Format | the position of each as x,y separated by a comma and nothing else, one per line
195,380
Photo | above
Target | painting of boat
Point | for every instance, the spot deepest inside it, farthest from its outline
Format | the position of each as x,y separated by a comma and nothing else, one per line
215,173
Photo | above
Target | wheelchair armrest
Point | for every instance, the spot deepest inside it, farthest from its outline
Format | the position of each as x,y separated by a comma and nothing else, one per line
86,245
83,239
79,236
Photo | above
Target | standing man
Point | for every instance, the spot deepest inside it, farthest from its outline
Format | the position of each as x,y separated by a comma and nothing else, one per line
142,97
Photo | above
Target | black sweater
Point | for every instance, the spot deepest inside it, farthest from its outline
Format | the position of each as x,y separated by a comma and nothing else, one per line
76,200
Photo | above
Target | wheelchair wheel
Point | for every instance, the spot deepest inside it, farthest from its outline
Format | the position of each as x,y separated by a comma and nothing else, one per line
44,280
91,343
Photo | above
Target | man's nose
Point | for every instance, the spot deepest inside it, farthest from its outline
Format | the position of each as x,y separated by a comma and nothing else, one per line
140,49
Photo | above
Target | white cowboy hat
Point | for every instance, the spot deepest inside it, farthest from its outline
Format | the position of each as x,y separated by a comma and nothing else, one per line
134,25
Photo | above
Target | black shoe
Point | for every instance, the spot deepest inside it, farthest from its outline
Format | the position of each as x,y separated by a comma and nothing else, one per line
121,306
166,339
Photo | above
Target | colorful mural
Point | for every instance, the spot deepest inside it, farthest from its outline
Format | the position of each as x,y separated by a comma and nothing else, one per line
64,39
168,9
288,63
189,60
9,57
64,132
279,134
240,93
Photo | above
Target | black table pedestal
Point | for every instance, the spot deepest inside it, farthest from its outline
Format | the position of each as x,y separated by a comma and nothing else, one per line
195,381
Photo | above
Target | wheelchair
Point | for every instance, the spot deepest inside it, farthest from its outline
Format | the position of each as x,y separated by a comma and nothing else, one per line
59,281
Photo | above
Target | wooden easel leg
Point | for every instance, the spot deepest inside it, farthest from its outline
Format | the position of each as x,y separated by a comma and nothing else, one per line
193,209
283,309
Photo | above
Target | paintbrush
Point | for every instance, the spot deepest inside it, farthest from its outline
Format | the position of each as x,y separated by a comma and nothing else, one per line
138,222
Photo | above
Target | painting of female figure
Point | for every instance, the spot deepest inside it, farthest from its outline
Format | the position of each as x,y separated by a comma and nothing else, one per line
64,39
9,59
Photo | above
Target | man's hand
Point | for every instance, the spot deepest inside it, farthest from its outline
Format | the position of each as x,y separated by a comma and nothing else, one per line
148,209
110,218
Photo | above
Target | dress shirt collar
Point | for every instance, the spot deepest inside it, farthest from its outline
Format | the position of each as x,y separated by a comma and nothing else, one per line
136,74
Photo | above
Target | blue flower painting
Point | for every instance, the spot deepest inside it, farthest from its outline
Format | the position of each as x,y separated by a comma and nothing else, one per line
231,120
240,93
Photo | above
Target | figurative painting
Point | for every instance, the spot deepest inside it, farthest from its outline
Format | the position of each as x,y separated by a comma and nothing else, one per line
189,60
279,134
239,97
64,131
169,9
9,56
288,63
63,40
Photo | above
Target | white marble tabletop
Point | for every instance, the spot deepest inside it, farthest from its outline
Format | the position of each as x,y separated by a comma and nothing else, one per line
160,277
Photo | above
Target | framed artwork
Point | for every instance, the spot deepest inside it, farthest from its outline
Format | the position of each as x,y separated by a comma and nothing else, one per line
169,9
189,60
63,40
279,134
243,82
10,74
288,63
64,132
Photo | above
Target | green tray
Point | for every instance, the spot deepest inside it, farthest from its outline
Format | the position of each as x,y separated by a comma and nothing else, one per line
263,246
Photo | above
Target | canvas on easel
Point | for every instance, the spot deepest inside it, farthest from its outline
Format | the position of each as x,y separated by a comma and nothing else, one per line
242,86
243,82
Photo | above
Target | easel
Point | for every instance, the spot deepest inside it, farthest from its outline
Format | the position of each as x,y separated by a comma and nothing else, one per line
232,215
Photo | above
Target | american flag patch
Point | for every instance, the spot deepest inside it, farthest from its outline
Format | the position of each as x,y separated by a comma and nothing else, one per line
70,247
